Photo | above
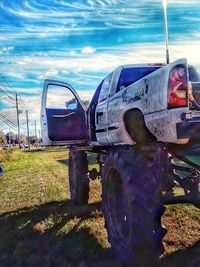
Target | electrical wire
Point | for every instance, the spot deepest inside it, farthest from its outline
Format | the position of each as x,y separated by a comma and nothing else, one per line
8,124
11,93
6,119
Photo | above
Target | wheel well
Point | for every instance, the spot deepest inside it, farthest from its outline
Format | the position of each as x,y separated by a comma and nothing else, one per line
136,127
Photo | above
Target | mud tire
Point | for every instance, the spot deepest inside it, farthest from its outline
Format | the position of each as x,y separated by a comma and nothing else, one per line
131,192
78,177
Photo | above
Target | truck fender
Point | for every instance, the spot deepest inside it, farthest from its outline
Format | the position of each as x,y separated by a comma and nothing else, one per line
136,128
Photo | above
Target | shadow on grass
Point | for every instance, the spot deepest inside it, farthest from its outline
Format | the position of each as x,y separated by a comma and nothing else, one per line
59,234
56,234
48,149
91,160
188,257
63,161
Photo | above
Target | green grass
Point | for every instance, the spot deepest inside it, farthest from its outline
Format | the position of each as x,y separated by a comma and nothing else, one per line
40,227
30,178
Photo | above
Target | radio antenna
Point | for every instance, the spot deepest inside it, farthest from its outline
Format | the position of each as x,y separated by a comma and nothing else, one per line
166,30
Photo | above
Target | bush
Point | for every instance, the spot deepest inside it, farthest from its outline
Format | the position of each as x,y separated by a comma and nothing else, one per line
5,155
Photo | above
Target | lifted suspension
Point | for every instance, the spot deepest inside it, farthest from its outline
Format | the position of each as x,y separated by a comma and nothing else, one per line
186,176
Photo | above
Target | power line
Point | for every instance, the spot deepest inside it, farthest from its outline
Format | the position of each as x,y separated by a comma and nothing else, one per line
11,96
11,99
2,115
4,129
6,119
8,85
8,123
8,89
5,87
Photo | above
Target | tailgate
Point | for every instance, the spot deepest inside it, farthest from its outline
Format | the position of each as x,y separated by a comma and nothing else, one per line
190,127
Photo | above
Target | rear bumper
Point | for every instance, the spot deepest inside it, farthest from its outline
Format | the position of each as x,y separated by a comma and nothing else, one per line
189,128
175,125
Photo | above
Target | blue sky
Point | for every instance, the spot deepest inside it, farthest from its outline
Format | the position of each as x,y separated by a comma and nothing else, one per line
81,41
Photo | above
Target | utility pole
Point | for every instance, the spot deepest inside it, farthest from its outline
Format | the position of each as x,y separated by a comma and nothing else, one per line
9,137
27,124
35,129
39,137
18,126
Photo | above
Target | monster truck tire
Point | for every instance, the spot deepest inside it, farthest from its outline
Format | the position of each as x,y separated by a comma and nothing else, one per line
131,188
78,177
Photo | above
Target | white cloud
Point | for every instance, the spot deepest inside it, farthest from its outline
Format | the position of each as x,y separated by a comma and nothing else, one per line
182,2
6,50
17,74
49,73
86,94
75,69
65,72
25,60
42,54
88,50
26,90
105,60
72,53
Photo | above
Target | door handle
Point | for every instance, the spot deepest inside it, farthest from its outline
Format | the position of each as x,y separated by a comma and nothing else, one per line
99,114
64,115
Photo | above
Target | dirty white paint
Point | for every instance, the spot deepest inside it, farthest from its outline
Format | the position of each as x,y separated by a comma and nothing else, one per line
149,95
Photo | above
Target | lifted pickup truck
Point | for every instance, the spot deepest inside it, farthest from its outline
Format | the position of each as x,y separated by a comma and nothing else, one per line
140,122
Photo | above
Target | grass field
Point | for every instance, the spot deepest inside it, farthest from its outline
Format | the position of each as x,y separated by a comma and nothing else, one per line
40,227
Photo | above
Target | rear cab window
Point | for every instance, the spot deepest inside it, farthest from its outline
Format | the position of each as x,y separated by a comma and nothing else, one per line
133,74
193,74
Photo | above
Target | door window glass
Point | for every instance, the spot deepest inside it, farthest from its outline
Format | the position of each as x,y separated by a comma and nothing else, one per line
105,87
60,97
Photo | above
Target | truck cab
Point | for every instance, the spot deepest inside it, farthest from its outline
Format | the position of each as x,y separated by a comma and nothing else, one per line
130,97
64,124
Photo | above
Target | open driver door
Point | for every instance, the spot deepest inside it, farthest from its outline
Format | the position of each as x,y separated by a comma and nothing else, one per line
63,115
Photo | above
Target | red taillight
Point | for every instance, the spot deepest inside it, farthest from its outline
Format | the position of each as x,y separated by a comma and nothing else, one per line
178,87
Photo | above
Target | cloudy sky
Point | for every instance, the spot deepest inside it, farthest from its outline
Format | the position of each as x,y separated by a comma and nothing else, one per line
82,41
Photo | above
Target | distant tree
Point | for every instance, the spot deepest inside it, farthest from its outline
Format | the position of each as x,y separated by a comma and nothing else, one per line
32,140
3,140
11,138
23,139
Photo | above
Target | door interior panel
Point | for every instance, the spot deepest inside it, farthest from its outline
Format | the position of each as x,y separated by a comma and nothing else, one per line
66,125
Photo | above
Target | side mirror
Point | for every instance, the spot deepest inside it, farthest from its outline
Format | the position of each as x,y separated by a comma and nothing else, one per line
71,104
